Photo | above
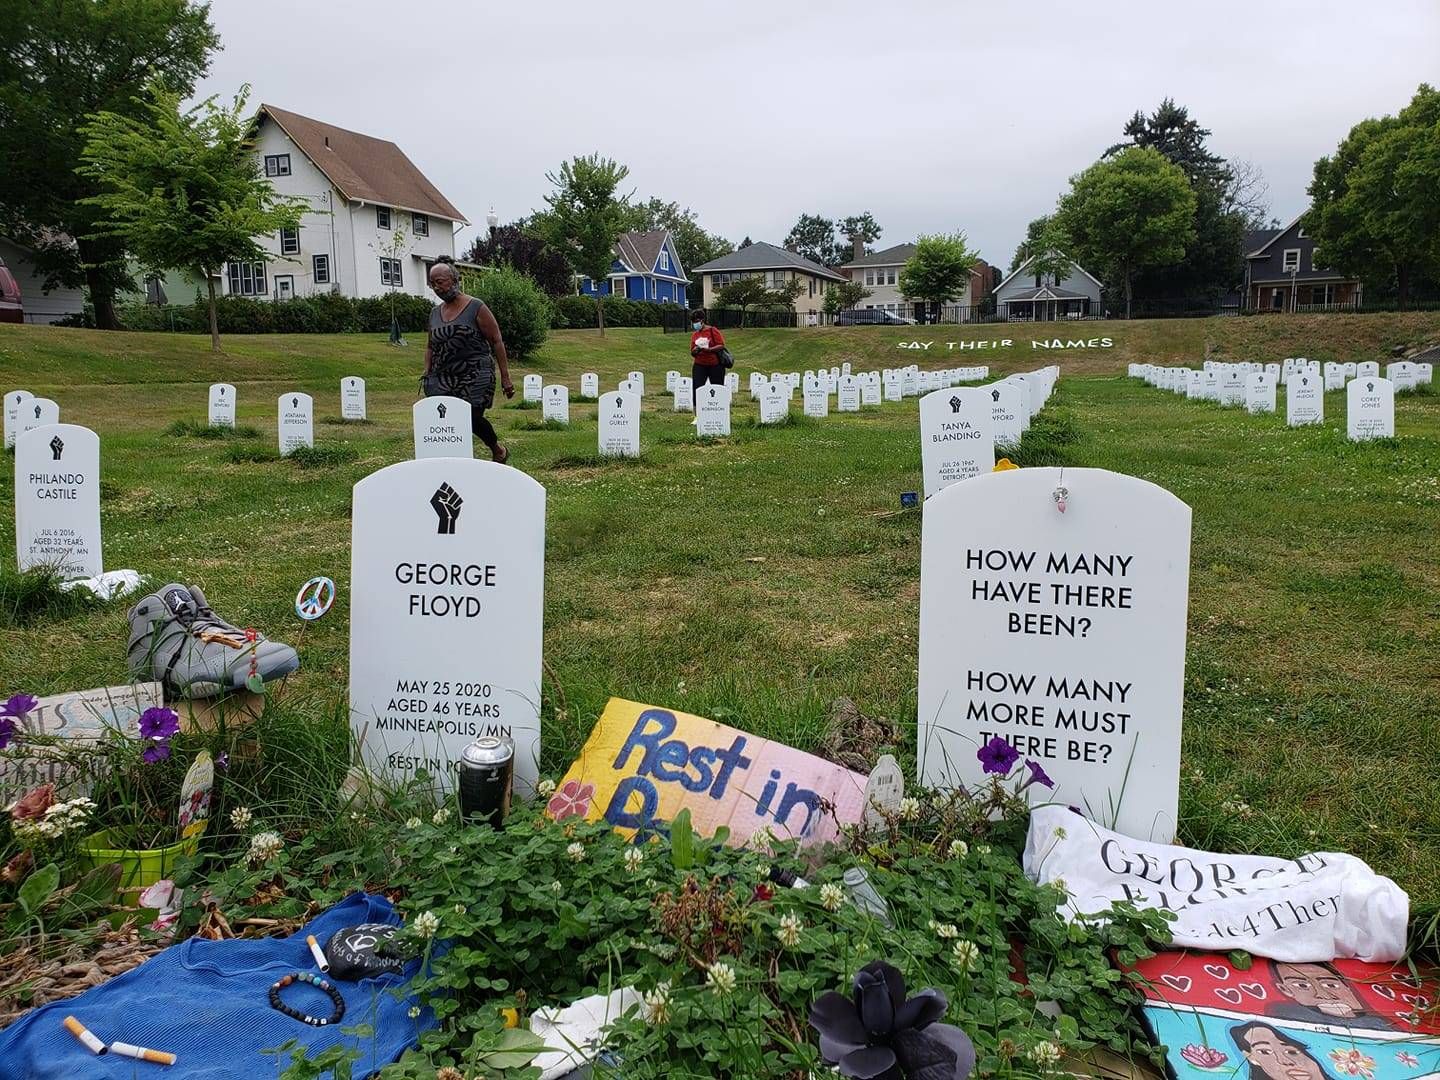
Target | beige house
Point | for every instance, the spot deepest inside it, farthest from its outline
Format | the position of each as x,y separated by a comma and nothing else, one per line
776,266
880,273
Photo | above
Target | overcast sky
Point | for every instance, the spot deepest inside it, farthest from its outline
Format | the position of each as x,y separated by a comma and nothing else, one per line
935,116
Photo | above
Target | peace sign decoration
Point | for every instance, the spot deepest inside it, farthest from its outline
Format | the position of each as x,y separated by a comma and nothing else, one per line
315,598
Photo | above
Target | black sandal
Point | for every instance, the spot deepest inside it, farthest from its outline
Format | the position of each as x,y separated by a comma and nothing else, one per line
501,459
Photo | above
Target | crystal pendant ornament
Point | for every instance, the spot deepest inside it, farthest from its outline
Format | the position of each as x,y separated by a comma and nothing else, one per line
1061,494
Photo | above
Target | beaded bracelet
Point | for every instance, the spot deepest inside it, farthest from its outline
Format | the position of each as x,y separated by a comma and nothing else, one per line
317,982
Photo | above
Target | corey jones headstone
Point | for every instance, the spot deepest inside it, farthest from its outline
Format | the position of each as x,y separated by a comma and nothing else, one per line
442,428
957,439
1061,633
447,578
296,422
1369,409
57,500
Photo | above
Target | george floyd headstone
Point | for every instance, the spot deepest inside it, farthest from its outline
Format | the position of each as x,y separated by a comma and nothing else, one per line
447,581
636,379
532,387
712,411
619,424
221,411
817,400
1304,399
1369,409
1259,393
37,412
352,398
957,436
555,403
774,403
57,500
14,401
589,385
683,397
295,422
847,395
442,427
1062,634
1006,408
670,377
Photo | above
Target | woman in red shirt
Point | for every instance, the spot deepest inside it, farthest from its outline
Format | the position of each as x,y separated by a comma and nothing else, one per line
705,345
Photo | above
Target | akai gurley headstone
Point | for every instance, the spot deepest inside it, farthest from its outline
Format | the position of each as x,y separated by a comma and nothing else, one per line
619,424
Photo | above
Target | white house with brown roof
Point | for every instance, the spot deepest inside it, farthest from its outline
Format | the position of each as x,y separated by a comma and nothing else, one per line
363,194
880,273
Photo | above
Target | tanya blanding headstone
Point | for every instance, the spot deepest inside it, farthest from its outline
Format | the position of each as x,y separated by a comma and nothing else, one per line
221,411
57,500
712,411
1061,633
447,578
352,398
14,400
442,428
1369,409
619,424
957,436
1304,399
295,426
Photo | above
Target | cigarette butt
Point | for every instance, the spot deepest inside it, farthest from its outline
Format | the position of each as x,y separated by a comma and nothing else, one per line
139,1053
85,1035
317,952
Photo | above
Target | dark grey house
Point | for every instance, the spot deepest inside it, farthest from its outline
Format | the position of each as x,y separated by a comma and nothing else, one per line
1027,296
1283,273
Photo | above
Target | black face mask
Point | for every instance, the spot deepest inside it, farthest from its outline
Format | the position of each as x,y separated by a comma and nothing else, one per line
448,294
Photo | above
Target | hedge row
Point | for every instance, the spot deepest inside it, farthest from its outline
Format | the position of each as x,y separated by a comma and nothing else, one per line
324,313
578,312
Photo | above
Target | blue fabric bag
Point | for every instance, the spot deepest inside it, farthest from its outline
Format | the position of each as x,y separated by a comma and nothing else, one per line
207,1002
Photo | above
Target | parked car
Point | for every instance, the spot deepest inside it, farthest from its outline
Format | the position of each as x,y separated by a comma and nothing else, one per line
12,309
872,317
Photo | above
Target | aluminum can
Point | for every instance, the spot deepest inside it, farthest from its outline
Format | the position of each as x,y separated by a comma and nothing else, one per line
487,769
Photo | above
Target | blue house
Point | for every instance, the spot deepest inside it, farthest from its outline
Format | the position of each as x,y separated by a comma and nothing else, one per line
645,268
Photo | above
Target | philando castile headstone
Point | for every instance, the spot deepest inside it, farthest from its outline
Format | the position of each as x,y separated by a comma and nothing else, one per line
957,436
1369,409
352,398
295,422
442,428
57,500
619,424
1062,633
14,400
447,579
221,412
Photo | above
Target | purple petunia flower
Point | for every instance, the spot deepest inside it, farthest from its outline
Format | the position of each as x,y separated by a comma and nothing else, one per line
157,751
222,760
1038,775
19,705
998,756
158,723
7,731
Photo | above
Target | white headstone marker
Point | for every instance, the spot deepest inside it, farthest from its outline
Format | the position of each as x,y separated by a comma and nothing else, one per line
957,436
637,382
847,395
683,396
57,500
1061,633
1259,393
712,411
1304,399
442,427
221,412
817,399
1007,411
774,403
352,398
447,580
37,412
589,385
870,389
532,387
619,424
555,403
295,422
14,401
1368,367
670,379
1369,409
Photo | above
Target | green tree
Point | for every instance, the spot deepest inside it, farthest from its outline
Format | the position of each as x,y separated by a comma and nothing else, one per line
60,62
861,227
181,190
514,245
743,293
939,271
1374,209
586,216
1047,242
844,296
1130,212
784,296
813,237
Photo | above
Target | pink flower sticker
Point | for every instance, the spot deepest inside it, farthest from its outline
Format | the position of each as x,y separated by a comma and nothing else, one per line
1409,1060
1353,1063
1204,1057
572,800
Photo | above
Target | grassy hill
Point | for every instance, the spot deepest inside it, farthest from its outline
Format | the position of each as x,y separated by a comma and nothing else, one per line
756,579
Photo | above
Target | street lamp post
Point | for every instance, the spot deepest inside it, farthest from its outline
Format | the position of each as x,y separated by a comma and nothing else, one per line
492,220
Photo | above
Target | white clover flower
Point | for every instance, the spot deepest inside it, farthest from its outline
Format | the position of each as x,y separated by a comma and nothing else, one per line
788,933
832,896
657,1004
426,923
441,816
459,909
966,955
414,1012
1059,832
1044,1053
556,888
412,823
576,851
633,858
264,846
959,849
241,817
763,840
909,809
720,977
982,849
1059,883
946,931
545,788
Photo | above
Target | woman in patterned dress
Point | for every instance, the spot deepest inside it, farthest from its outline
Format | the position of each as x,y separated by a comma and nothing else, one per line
461,353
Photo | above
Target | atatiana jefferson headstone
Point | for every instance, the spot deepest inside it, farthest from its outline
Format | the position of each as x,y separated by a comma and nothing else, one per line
957,436
447,579
296,422
221,410
1061,633
442,427
57,500
619,424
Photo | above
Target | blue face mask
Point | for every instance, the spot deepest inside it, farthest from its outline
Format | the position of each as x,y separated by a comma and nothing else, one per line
697,325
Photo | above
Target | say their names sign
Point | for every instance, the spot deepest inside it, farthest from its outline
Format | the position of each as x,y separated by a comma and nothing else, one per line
295,422
442,427
447,577
57,500
221,412
957,439
1061,633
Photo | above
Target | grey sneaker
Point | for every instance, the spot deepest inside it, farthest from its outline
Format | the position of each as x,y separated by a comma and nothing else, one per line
177,638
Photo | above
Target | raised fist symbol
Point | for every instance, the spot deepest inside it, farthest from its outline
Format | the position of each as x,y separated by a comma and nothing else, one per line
441,410
57,447
294,402
955,404
447,503
994,396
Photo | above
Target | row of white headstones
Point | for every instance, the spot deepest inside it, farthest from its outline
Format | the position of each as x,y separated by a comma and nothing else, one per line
1369,397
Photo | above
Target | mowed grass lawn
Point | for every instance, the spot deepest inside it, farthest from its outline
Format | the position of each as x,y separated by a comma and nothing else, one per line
756,579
